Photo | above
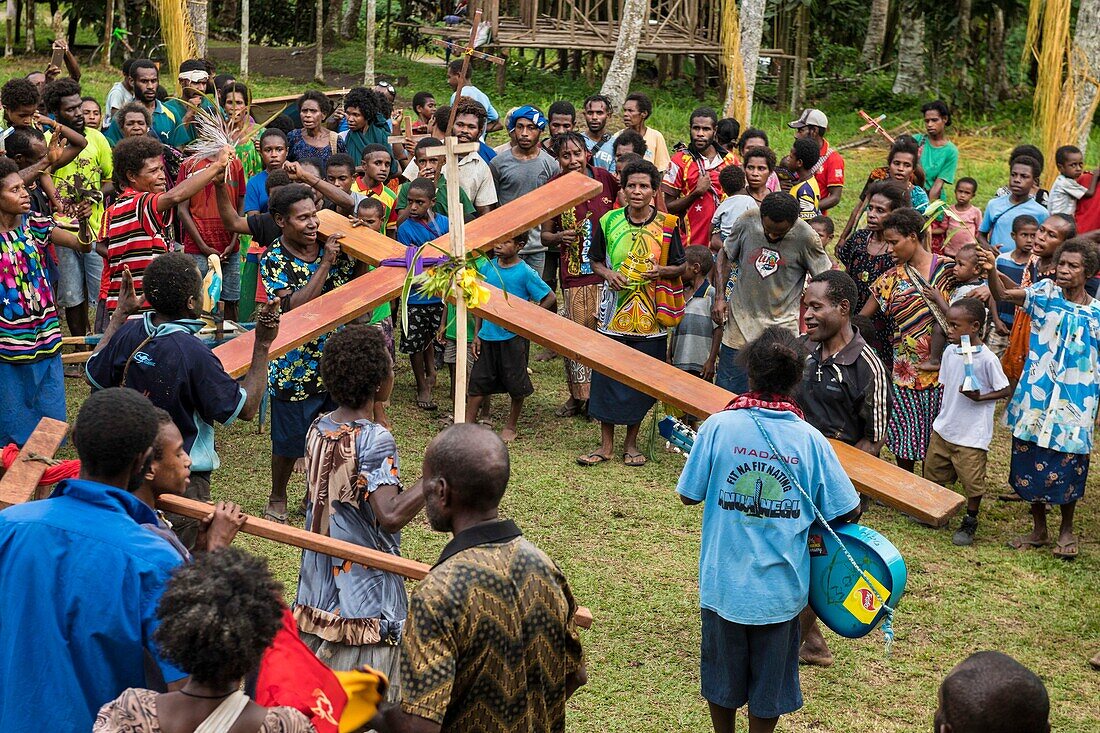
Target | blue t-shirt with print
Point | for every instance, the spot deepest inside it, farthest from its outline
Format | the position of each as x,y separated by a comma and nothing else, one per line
518,281
999,215
754,564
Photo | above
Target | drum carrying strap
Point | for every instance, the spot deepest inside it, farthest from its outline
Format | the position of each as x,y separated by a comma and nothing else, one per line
888,619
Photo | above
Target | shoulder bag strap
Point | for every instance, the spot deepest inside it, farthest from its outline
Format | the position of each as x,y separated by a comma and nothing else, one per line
921,283
225,715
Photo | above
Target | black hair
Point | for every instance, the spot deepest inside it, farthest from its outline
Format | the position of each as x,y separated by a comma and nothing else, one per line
423,184
163,418
169,281
890,190
904,144
477,477
974,308
114,426
281,200
340,160
282,122
312,95
221,80
193,65
1069,224
824,222
758,152
698,254
562,107
726,132
21,141
906,221
1060,154
59,89
8,167
139,64
990,692
428,142
372,148
557,143
313,163
939,106
464,106
806,151
218,615
370,103
1035,166
130,155
632,138
1090,258
1029,150
455,67
127,64
272,132
370,202
645,105
133,108
839,286
603,98
749,134
419,99
1024,220
629,158
731,179
970,248
354,363
18,93
707,112
277,179
642,168
967,179
774,361
442,116
779,207
234,87
93,100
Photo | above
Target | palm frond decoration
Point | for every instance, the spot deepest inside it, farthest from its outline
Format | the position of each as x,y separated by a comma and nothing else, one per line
214,131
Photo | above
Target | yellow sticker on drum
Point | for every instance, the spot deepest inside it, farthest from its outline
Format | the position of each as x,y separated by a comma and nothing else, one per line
862,603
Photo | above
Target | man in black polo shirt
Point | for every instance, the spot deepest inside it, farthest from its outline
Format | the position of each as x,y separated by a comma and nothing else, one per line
845,394
492,609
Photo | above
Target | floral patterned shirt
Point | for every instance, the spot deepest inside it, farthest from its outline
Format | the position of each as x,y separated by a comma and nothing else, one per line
1056,399
296,375
29,329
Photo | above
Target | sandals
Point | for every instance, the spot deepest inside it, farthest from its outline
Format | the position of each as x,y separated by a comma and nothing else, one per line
1066,551
592,459
1024,542
427,405
634,460
275,516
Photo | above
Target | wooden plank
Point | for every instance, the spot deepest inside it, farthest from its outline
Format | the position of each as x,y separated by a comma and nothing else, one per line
344,304
20,482
306,540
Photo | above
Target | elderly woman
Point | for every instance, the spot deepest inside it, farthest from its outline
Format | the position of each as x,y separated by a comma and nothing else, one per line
234,593
134,120
1053,411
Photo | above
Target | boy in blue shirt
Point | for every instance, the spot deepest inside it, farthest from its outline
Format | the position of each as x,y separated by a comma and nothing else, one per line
996,228
501,356
273,155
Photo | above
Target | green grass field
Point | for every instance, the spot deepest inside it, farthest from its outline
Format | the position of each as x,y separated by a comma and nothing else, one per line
630,549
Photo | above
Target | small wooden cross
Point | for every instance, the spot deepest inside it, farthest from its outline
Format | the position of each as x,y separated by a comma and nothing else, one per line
970,382
876,124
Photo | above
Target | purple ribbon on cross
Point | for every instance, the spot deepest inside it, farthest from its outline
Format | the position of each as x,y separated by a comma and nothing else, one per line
411,262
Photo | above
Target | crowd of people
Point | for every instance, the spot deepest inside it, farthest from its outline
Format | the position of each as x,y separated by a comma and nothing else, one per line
716,255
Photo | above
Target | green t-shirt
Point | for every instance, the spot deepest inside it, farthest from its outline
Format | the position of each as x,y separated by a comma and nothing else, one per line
941,162
381,312
96,165
440,199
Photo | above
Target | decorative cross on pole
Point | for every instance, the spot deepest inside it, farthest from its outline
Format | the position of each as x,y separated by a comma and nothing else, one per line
876,124
970,382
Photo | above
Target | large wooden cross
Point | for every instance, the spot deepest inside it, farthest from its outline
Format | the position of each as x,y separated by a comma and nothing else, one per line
897,488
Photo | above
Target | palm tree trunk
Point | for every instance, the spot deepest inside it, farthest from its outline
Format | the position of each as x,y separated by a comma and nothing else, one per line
752,31
911,74
372,29
1087,39
200,21
962,41
620,72
350,22
227,15
876,33
995,77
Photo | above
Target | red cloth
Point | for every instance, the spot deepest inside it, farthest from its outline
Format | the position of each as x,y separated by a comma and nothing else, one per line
204,206
1088,210
764,401
292,676
53,474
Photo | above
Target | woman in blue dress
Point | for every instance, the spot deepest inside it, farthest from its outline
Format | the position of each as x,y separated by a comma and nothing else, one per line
1053,411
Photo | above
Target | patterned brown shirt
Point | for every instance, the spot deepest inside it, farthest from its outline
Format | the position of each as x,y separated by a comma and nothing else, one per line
490,638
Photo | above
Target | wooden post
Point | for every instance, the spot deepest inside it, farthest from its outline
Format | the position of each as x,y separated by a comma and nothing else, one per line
372,27
458,250
9,28
28,39
108,31
244,39
318,64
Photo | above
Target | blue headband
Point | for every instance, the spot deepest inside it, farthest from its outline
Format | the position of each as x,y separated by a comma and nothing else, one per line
529,113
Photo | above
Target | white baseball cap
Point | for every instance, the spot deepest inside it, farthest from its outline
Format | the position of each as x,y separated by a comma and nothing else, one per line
813,117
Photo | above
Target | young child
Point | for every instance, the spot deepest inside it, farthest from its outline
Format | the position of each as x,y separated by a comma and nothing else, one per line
1012,264
354,494
501,355
1066,191
372,181
996,228
969,278
737,202
696,339
825,229
961,433
424,313
803,158
966,232
273,155
340,172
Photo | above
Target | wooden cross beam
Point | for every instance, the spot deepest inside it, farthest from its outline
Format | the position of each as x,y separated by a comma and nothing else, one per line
876,123
459,49
18,485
